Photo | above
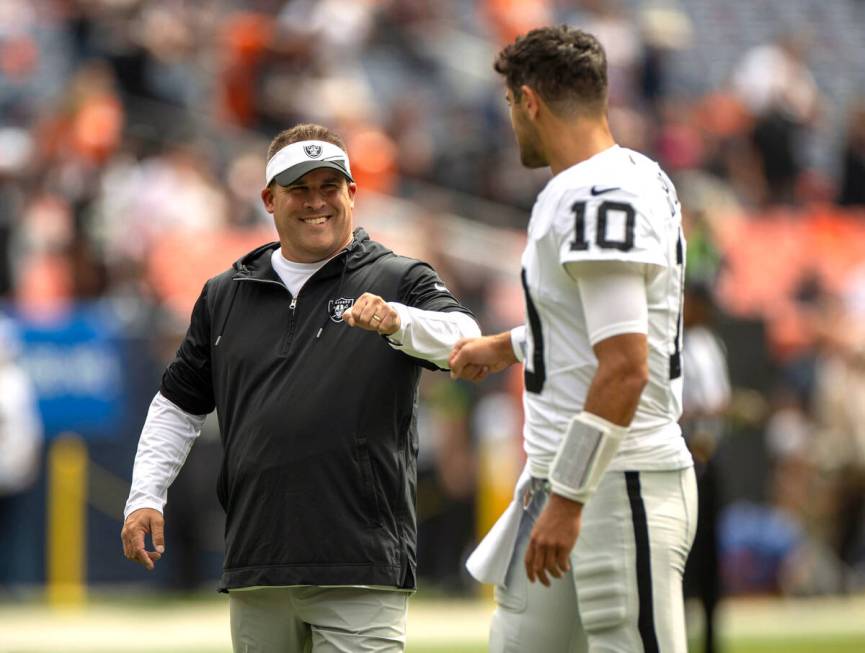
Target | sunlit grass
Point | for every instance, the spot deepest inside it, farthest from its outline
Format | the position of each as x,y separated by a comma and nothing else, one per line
853,645
199,624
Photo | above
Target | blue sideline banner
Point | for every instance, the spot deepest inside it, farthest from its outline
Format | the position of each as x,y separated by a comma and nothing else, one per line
76,363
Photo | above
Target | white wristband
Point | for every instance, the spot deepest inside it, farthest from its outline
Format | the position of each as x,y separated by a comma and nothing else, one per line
584,454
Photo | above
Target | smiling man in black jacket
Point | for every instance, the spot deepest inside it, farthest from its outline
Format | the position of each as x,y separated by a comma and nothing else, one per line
310,350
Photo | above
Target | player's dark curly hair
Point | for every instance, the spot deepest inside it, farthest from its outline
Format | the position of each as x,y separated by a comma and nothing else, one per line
566,67
304,132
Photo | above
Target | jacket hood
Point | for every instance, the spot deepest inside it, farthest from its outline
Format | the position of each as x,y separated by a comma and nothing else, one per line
359,252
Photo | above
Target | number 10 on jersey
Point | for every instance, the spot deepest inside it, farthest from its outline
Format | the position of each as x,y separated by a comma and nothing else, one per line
602,239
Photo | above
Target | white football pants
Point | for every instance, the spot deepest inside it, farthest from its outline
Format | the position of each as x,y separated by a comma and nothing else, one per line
624,592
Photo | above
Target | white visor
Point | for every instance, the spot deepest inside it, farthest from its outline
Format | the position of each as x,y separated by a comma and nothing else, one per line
293,161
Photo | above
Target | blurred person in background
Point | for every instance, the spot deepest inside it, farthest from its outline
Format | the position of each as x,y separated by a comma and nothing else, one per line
665,29
16,151
776,541
705,399
773,80
603,275
318,419
853,158
839,412
807,537
20,455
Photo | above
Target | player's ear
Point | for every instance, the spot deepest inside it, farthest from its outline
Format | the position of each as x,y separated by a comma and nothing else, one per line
267,198
530,101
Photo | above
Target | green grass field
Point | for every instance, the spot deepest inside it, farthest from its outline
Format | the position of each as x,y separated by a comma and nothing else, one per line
811,646
125,624
855,645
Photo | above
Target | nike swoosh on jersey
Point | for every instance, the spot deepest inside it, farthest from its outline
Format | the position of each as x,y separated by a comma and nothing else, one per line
440,286
601,191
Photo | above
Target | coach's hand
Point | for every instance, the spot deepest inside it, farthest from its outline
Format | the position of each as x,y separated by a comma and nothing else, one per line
372,313
137,525
473,359
552,539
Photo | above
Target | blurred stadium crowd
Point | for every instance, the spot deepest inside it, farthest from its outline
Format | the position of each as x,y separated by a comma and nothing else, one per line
132,144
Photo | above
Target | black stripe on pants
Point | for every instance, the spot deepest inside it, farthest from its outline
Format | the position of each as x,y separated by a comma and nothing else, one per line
646,620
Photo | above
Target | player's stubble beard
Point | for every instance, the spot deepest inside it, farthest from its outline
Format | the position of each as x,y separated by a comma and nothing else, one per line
528,141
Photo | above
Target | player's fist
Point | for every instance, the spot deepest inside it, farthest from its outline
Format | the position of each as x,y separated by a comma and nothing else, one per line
473,359
372,313
137,525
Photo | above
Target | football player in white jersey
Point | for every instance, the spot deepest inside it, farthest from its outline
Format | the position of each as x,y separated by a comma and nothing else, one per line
604,515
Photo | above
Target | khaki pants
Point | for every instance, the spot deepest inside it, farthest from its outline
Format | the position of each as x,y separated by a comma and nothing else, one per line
318,619
624,594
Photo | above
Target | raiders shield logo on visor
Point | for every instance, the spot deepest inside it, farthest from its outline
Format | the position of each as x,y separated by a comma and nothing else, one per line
336,307
312,151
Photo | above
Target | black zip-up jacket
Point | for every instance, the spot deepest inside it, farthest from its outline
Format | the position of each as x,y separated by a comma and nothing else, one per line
318,420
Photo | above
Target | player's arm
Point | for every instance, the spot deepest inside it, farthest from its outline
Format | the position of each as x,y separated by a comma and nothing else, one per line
431,335
425,334
473,359
614,301
166,438
425,324
615,305
173,423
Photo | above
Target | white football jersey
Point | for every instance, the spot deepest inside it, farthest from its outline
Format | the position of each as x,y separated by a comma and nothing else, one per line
616,206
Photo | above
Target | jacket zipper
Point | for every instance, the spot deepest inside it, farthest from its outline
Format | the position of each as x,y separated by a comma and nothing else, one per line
290,335
293,305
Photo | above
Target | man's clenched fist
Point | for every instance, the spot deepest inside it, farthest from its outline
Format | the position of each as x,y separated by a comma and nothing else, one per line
372,313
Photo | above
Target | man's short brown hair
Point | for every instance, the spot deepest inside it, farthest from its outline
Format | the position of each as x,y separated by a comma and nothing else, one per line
304,132
566,67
